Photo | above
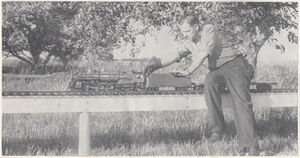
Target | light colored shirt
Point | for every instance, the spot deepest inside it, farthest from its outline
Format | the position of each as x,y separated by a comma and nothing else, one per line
219,49
213,44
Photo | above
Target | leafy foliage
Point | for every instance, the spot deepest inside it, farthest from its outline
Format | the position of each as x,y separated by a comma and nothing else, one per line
91,30
25,29
32,31
62,45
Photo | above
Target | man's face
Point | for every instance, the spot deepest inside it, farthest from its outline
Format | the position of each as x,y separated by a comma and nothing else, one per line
189,32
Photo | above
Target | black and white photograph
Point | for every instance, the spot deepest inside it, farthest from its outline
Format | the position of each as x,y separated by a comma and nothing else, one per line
145,78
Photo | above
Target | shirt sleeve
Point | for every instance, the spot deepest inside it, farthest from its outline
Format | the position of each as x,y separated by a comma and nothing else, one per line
208,39
182,51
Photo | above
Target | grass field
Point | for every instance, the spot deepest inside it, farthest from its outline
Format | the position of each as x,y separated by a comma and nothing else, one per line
144,133
57,82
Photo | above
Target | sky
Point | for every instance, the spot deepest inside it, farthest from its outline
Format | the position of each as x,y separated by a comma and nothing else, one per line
269,55
162,45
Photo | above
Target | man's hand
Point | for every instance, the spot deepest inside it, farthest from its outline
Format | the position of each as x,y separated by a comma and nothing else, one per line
152,65
179,73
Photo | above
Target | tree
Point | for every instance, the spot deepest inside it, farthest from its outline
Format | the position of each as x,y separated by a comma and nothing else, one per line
252,24
32,31
62,45
26,32
99,26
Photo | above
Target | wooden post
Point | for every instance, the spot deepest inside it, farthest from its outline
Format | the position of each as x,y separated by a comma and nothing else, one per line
84,134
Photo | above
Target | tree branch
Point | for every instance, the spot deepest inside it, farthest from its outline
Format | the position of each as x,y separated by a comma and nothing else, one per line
294,7
15,54
25,54
48,57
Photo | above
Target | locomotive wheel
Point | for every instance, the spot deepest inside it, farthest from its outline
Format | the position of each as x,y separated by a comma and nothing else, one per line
86,87
111,87
102,87
199,88
127,89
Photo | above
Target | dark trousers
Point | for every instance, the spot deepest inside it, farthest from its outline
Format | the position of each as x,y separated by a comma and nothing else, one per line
236,76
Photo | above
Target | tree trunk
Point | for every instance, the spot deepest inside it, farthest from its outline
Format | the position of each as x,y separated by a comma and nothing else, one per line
252,59
45,62
36,60
65,63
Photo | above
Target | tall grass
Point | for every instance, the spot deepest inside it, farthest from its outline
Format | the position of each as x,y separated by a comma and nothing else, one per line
58,82
144,133
286,77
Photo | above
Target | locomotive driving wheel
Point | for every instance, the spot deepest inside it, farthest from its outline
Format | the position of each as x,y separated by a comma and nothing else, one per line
111,86
86,87
102,87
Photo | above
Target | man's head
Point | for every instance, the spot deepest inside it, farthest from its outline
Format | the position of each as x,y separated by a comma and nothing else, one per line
189,26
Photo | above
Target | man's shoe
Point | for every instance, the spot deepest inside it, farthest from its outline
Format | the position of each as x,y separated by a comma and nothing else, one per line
253,151
243,151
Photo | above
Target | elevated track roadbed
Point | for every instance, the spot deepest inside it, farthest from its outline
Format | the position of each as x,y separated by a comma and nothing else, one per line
70,101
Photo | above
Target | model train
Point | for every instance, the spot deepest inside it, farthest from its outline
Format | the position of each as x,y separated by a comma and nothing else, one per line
141,82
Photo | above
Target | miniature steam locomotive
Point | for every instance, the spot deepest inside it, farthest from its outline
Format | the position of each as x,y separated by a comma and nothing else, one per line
140,82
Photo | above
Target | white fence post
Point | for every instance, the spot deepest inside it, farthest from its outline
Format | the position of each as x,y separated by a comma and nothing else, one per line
84,134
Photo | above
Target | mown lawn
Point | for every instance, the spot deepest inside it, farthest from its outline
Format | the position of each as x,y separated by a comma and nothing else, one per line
169,133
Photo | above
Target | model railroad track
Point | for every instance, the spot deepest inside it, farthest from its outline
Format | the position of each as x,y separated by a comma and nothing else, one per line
123,93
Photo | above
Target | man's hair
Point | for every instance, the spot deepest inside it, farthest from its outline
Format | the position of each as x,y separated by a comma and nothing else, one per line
190,19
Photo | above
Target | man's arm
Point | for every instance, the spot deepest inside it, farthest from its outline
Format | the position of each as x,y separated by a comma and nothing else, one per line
197,63
200,53
156,63
181,54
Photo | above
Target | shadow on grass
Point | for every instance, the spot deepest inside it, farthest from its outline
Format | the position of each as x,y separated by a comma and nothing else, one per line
277,127
281,123
154,136
34,146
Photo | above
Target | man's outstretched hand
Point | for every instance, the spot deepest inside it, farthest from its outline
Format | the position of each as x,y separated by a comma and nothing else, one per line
179,73
152,65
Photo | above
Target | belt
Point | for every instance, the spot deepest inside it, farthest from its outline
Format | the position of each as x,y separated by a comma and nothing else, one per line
237,57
